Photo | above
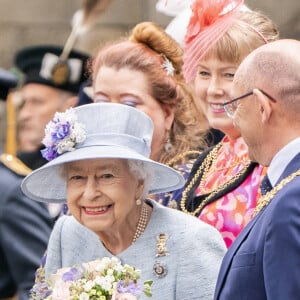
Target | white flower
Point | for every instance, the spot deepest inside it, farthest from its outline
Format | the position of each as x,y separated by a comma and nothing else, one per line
88,285
61,290
84,296
65,146
115,260
106,282
110,272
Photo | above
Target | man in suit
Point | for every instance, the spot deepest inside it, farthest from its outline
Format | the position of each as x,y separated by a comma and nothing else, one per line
264,261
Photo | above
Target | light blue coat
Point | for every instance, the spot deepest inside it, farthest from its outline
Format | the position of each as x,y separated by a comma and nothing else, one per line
195,253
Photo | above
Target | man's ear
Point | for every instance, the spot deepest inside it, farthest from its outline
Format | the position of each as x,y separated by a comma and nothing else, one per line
265,106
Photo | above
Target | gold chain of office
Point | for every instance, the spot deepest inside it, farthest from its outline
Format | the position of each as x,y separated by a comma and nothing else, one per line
204,168
267,198
182,155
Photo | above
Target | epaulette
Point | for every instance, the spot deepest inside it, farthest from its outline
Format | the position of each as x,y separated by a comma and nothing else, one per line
15,164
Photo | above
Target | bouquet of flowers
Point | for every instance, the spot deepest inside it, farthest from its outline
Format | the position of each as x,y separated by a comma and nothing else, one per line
102,279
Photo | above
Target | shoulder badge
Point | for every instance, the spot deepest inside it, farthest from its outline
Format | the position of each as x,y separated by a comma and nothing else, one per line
14,164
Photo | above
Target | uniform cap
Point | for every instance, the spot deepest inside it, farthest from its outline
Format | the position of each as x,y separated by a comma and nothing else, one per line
43,64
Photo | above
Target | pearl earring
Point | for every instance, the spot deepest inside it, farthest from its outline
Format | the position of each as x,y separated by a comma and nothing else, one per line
138,202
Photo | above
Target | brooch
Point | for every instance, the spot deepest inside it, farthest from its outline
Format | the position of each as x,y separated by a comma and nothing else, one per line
161,248
160,270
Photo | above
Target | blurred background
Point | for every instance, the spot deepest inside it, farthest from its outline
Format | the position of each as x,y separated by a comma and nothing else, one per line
34,22
31,22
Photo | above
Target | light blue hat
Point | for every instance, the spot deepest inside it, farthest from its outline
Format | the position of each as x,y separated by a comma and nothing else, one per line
98,130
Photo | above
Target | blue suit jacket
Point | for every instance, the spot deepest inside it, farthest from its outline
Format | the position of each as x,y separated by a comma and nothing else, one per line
264,261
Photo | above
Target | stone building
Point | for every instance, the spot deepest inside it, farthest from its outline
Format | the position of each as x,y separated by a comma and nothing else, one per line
33,22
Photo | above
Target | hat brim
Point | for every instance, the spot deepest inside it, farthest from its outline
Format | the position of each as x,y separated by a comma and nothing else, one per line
47,185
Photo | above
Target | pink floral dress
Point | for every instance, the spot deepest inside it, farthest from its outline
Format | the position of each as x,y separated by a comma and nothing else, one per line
231,213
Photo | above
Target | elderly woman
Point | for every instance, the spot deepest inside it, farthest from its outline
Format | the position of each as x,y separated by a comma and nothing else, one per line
100,164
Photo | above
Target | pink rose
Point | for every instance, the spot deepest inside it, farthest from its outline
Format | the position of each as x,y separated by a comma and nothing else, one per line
124,296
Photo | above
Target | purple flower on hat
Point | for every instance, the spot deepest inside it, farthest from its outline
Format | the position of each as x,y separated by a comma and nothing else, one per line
49,153
63,130
62,134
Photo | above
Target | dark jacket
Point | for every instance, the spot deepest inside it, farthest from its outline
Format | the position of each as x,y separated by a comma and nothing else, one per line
25,227
263,262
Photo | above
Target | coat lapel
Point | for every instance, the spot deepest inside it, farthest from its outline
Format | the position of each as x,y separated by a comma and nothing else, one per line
293,166
226,263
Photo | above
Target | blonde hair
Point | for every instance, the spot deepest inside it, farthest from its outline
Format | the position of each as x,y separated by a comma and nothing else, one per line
145,50
250,30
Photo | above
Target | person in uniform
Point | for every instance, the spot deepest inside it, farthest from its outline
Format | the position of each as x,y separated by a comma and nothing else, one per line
52,80
51,84
25,224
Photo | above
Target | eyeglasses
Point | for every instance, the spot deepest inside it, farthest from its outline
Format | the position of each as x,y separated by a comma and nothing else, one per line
231,106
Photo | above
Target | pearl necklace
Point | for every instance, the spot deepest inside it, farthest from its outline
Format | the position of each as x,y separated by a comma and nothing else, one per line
141,226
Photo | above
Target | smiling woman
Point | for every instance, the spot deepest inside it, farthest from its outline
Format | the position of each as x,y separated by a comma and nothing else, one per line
145,71
118,187
100,163
223,186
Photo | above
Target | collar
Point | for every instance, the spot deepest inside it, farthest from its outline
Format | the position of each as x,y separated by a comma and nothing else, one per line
282,159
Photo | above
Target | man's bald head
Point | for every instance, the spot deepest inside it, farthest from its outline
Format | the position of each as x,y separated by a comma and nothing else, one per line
268,123
273,67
